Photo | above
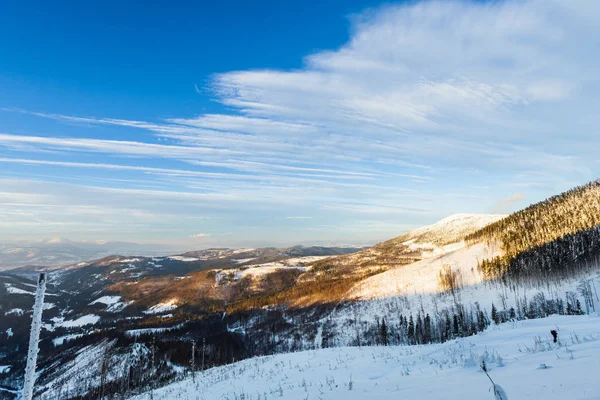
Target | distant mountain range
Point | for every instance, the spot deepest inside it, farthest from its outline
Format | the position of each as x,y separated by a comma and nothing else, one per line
60,251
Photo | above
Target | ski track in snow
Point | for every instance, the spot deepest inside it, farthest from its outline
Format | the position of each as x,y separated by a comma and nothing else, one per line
449,370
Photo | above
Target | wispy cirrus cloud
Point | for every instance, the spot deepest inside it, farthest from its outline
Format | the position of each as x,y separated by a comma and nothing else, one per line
112,146
429,108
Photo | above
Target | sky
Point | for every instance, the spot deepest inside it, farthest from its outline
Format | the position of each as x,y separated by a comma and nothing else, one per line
238,123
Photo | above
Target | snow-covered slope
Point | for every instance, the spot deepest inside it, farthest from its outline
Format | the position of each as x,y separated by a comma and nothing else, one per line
451,229
430,241
520,357
421,277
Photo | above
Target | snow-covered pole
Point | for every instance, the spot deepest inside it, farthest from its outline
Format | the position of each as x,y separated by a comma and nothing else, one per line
34,338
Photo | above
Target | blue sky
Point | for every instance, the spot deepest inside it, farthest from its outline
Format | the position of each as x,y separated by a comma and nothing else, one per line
277,123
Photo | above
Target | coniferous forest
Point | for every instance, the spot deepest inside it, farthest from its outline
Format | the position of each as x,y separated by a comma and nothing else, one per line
555,237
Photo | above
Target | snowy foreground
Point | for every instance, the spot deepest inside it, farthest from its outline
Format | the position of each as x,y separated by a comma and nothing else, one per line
520,357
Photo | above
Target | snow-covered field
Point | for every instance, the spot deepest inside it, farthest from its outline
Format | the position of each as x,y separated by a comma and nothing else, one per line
257,271
59,341
168,305
113,303
11,289
149,331
183,259
15,311
453,228
84,320
520,357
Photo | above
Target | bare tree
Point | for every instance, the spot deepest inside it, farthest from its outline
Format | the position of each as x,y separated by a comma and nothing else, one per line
104,368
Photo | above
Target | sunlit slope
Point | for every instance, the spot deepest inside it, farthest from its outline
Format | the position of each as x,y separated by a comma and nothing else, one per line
555,237
422,243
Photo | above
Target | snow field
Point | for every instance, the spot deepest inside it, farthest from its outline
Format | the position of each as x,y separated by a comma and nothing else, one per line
113,303
513,353
148,331
421,277
84,320
166,306
183,259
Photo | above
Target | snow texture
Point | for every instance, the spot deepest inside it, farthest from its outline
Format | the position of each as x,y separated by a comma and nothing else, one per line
113,303
500,393
183,258
14,290
422,277
166,306
89,319
62,339
453,228
512,353
148,331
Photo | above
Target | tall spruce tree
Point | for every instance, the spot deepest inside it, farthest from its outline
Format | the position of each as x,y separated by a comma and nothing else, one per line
383,333
411,330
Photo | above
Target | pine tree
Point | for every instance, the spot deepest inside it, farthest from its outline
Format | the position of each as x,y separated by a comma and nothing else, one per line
456,326
383,333
480,321
427,329
447,329
579,311
411,330
419,330
495,315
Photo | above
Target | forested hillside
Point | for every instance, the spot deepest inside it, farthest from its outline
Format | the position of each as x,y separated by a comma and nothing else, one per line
546,238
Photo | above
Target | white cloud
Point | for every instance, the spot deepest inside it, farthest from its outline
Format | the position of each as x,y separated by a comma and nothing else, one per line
548,90
508,204
200,235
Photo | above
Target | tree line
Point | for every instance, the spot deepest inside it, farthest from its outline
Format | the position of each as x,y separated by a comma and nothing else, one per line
546,238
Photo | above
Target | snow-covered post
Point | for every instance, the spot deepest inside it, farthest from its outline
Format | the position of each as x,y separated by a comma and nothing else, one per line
34,338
